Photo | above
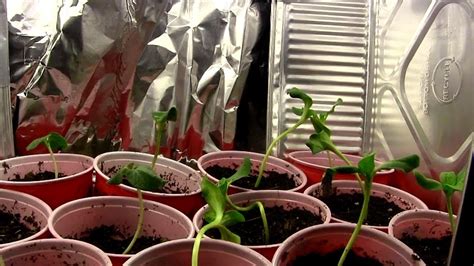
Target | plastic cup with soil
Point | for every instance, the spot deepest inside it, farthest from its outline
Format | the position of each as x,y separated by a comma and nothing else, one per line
34,175
212,253
22,218
54,252
324,244
110,222
287,212
427,232
346,203
279,174
181,191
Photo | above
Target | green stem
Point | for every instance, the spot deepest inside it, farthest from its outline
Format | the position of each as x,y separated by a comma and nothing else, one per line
450,213
197,242
263,165
260,206
55,164
348,162
2,262
158,134
362,217
329,159
140,222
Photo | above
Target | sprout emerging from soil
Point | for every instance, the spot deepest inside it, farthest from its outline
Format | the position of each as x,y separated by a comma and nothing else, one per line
367,168
53,142
144,177
449,182
304,116
222,212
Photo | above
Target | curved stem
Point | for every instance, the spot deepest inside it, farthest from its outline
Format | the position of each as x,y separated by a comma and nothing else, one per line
348,162
263,165
260,206
449,206
140,222
55,164
362,217
158,134
197,243
329,159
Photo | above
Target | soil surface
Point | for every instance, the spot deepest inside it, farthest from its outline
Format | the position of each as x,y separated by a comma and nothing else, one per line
45,175
347,207
111,240
282,223
433,251
332,258
271,180
13,229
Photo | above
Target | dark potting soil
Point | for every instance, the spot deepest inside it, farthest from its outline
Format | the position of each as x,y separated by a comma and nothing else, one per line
332,258
271,179
281,223
40,176
12,228
433,251
347,207
111,240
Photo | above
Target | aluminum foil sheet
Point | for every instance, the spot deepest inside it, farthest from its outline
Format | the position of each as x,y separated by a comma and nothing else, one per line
6,141
321,47
95,70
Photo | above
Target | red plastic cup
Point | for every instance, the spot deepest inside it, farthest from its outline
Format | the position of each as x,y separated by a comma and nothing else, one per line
26,205
75,185
181,175
269,198
77,216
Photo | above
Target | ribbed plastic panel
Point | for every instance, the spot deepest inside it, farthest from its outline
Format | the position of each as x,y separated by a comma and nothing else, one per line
320,47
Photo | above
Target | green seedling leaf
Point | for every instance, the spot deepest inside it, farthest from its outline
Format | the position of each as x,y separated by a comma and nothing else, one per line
139,176
367,166
227,235
319,142
427,183
405,164
232,217
324,115
299,94
165,116
214,198
209,216
452,182
243,171
449,182
53,140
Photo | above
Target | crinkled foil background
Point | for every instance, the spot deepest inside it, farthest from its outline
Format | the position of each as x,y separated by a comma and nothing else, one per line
95,70
6,139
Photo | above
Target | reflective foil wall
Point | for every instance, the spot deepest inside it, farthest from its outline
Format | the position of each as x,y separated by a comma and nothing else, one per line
95,70
6,141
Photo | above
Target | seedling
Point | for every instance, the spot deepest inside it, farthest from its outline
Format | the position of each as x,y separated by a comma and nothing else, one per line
53,142
223,212
304,116
144,177
367,168
449,182
161,119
